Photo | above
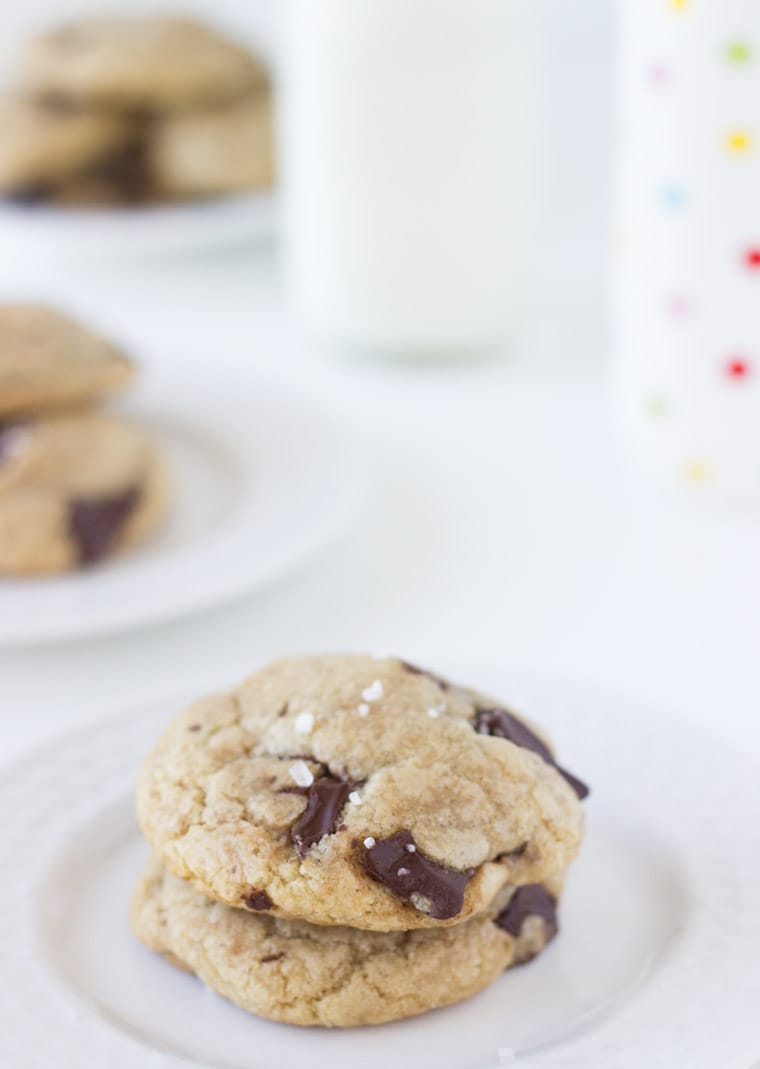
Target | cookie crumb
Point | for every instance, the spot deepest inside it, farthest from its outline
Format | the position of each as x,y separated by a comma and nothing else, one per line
373,692
304,723
369,842
300,773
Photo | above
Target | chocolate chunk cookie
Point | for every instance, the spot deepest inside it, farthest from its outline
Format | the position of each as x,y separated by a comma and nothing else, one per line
48,360
43,144
207,153
358,791
138,64
74,488
304,974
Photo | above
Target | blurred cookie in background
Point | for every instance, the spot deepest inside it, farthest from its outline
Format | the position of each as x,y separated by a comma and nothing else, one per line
138,64
75,487
43,144
135,111
222,150
48,359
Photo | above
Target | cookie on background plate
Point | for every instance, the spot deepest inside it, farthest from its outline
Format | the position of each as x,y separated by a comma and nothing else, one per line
48,360
43,144
138,64
75,487
352,790
304,974
206,153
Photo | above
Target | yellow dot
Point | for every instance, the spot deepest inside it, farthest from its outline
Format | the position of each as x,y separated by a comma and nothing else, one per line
696,471
680,5
739,142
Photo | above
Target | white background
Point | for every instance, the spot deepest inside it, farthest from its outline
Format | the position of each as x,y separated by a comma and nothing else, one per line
498,517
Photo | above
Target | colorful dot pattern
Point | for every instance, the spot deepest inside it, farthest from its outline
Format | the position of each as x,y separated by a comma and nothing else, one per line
738,59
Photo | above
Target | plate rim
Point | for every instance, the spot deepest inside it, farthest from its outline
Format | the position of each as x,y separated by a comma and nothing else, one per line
577,1052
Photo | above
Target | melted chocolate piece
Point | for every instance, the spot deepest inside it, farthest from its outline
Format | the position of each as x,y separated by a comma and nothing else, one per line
96,522
27,196
408,874
326,799
530,901
442,683
580,788
257,900
9,433
502,724
505,725
272,957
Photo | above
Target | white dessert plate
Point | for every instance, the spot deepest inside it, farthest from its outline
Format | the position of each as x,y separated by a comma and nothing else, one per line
42,233
656,964
261,481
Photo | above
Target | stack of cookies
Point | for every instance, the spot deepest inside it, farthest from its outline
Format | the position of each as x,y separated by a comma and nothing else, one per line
135,110
345,840
76,485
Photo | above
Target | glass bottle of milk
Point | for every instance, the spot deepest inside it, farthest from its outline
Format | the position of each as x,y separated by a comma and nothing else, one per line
406,153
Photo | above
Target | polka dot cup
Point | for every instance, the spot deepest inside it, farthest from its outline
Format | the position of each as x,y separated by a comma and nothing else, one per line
688,278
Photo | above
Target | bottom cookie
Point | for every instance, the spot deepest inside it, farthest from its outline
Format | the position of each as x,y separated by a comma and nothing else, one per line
303,974
75,487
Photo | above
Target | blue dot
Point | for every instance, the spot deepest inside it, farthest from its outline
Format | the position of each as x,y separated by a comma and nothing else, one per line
673,197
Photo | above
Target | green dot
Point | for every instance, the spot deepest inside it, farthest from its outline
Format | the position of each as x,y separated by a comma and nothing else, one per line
739,52
657,406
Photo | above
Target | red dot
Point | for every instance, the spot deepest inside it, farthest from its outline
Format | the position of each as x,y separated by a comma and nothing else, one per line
752,258
737,368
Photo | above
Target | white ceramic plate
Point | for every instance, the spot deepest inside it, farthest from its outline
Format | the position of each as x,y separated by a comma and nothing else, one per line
261,482
656,965
40,233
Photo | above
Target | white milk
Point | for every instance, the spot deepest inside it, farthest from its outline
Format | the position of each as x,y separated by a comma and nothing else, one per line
406,130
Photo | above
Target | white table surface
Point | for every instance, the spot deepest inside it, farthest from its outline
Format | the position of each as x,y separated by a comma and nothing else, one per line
498,519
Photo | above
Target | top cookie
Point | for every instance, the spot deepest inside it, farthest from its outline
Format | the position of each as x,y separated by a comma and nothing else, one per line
138,64
47,360
358,791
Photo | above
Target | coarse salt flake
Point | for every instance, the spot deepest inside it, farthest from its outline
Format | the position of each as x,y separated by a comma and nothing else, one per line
403,872
369,842
433,714
411,848
373,692
304,723
363,709
355,798
301,774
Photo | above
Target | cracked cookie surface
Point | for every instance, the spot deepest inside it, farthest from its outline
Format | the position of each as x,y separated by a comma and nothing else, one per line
304,974
360,791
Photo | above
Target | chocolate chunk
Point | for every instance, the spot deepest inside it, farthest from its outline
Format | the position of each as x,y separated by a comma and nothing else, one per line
272,957
27,196
530,901
283,711
9,437
505,725
326,799
194,727
502,724
442,683
257,900
409,873
95,523
578,785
